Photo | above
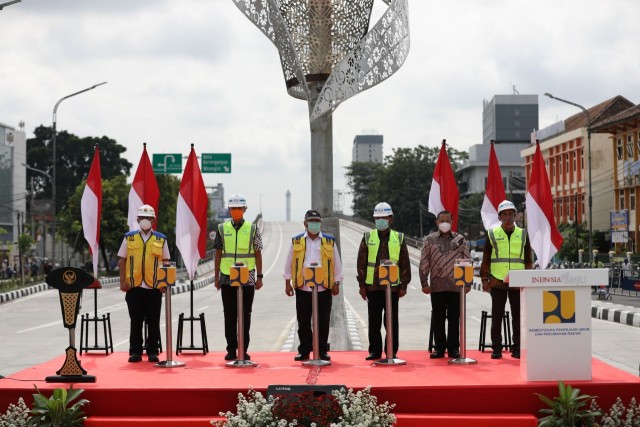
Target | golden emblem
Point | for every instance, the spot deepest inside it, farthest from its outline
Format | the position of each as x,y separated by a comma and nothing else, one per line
69,277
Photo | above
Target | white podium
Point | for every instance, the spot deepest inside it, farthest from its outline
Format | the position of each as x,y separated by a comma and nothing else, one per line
555,322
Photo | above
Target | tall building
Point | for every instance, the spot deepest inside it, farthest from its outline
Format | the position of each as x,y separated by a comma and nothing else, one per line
13,193
367,148
216,202
509,118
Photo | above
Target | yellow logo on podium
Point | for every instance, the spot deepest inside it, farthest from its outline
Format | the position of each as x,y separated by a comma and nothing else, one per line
239,275
559,307
166,276
313,276
463,275
388,275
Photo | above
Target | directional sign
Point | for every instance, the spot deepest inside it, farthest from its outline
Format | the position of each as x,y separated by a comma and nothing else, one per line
216,163
167,163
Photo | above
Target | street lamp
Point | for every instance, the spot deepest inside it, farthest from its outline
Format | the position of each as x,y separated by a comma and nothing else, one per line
589,154
8,3
53,184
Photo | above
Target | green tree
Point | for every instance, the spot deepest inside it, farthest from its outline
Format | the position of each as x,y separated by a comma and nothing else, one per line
403,181
169,186
469,218
362,179
73,160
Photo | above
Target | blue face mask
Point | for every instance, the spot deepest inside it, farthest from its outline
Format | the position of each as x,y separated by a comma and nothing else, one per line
382,224
314,227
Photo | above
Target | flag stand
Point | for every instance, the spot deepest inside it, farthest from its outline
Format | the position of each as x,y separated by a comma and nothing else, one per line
191,319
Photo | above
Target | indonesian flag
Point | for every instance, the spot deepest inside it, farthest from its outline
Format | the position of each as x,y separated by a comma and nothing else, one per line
90,207
191,215
444,190
541,226
494,193
144,190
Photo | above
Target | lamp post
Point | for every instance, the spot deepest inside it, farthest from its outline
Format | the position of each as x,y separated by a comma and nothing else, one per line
32,198
8,3
53,183
589,154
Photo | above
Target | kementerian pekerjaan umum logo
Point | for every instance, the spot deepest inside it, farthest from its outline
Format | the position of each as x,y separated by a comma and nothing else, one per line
559,307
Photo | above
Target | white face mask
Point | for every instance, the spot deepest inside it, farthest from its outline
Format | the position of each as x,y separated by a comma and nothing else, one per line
444,227
145,224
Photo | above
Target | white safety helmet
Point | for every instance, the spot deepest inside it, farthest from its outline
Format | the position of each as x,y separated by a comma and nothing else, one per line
146,211
506,205
237,200
382,209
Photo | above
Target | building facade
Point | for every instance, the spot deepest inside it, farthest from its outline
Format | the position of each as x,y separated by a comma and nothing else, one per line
624,133
367,148
565,149
509,118
13,193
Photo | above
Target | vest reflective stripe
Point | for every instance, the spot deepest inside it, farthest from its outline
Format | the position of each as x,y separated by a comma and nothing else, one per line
326,255
238,246
143,258
507,253
373,244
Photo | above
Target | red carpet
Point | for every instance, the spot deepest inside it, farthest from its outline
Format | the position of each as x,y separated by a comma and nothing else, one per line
206,386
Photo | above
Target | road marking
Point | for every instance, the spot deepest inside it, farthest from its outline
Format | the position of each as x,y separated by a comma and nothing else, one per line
203,308
287,337
278,254
44,325
352,327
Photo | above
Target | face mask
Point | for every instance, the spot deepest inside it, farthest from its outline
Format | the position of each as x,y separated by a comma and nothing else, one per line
237,215
314,227
444,227
508,221
145,224
382,224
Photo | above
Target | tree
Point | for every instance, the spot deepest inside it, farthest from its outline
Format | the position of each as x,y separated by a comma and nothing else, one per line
73,160
469,218
403,181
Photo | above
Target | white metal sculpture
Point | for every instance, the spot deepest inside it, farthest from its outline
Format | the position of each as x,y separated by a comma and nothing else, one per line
327,41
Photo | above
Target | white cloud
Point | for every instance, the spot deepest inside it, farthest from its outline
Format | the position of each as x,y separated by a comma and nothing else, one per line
197,71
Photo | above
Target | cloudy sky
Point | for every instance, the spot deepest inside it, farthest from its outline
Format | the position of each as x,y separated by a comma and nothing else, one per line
197,71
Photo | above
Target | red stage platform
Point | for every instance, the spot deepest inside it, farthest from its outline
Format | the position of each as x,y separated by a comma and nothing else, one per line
423,387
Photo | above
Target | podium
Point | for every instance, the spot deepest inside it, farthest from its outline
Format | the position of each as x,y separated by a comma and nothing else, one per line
555,322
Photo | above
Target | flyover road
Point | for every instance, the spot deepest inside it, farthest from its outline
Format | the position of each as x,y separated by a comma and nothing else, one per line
31,330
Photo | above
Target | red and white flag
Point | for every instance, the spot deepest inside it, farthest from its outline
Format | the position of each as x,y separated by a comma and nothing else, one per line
191,215
494,193
144,190
444,190
91,207
541,226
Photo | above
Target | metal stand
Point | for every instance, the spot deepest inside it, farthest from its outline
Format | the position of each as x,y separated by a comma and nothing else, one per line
191,320
86,320
169,363
463,359
240,362
316,361
389,276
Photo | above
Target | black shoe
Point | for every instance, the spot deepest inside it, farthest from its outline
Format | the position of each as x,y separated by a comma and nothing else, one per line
231,355
496,354
437,355
153,358
301,356
325,356
135,358
454,354
373,356
247,357
515,354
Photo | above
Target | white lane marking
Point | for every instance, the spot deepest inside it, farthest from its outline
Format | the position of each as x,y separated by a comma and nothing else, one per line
44,325
277,254
287,337
203,308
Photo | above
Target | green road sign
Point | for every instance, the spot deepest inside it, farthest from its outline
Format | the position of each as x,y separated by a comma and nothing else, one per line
167,163
216,163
